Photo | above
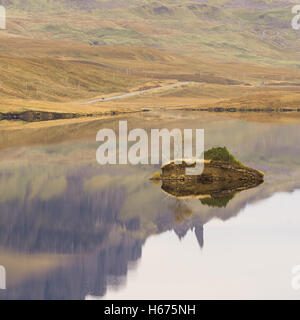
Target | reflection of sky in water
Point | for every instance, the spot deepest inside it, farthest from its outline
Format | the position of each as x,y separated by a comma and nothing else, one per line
249,257
69,228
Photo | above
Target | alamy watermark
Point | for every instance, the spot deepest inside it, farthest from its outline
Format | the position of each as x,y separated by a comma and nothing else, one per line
2,278
295,283
296,19
2,18
153,149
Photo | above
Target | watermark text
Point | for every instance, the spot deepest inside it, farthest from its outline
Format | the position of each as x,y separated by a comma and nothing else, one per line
2,18
2,278
296,19
295,283
156,149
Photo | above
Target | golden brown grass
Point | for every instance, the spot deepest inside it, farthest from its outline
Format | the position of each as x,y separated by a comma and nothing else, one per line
54,75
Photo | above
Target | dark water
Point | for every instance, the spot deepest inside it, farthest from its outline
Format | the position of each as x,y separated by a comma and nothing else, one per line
72,229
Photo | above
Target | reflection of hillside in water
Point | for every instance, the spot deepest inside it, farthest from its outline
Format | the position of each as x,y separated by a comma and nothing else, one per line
87,274
99,223
98,218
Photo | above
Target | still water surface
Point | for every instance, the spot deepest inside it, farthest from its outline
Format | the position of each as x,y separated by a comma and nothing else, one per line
71,229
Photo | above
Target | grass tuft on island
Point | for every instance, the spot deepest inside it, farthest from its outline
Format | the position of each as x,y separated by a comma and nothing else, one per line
221,154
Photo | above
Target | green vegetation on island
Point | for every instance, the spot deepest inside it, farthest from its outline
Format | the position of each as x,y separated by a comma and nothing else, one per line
221,154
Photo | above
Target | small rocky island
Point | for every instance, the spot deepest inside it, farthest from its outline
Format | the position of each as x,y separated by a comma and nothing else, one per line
223,177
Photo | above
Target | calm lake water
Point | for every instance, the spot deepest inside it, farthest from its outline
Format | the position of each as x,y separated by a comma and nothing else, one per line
72,229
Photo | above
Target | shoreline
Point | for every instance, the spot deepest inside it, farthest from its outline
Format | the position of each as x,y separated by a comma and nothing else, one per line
43,116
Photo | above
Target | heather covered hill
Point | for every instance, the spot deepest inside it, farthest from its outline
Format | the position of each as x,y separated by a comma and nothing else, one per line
258,31
233,53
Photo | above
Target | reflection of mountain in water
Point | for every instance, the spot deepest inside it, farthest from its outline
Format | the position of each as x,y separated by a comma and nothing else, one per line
87,274
95,228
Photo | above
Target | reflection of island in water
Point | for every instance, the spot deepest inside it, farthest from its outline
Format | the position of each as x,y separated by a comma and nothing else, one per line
222,177
219,182
98,225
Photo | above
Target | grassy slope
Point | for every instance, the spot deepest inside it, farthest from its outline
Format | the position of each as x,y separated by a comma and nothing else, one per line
46,54
57,80
62,72
258,31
